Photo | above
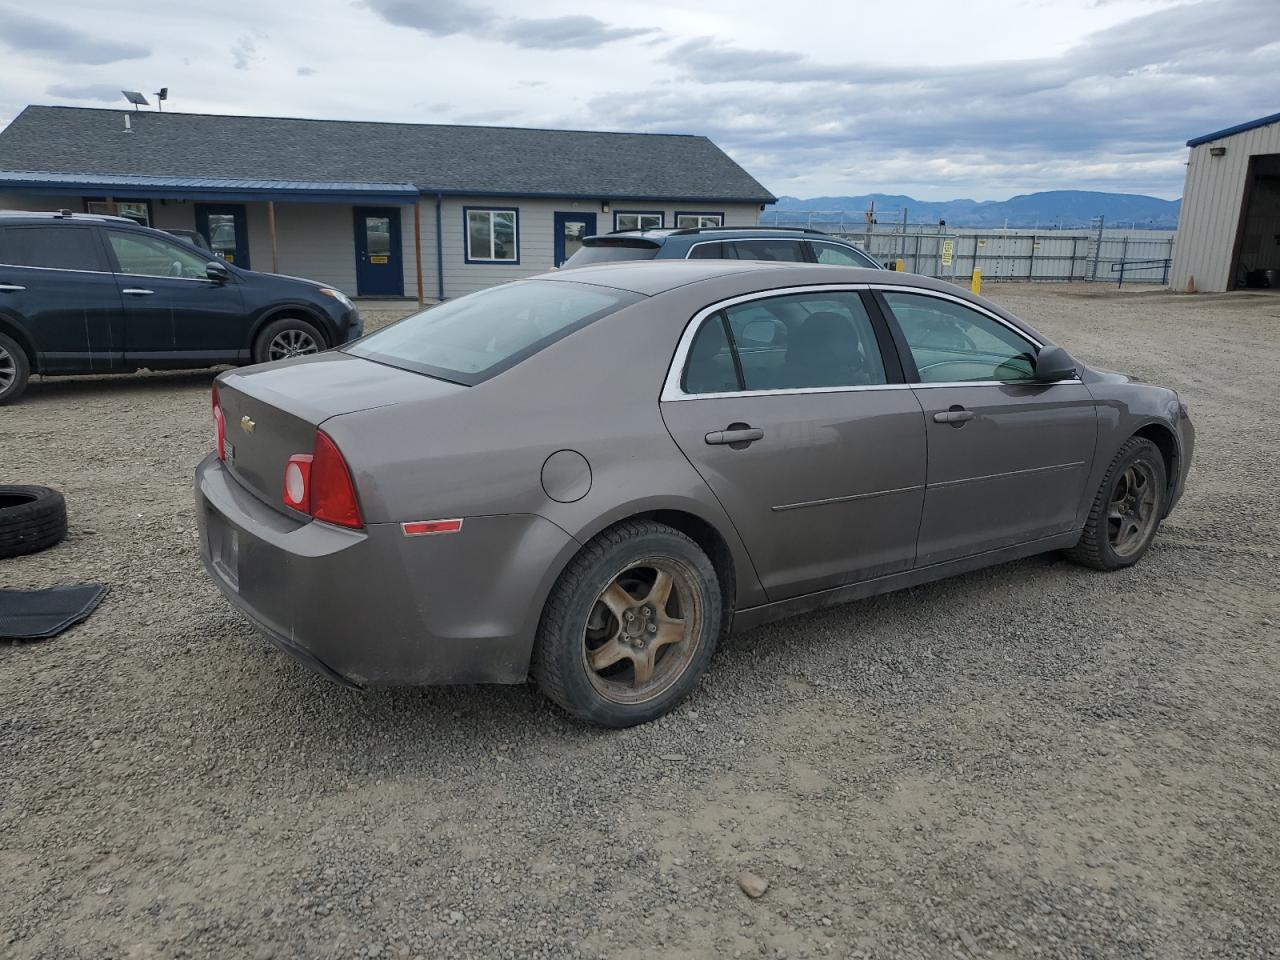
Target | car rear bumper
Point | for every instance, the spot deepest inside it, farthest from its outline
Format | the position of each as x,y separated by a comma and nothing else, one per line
373,607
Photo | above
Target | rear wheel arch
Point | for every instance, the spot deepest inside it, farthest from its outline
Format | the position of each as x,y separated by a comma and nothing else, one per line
19,336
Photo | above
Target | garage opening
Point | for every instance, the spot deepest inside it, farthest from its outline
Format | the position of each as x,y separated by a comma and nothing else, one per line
1257,259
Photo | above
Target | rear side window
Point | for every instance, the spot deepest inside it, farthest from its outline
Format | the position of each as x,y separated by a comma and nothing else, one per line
57,248
789,251
478,336
610,253
794,342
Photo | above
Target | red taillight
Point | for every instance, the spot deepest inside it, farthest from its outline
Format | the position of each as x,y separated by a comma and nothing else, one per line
319,484
219,425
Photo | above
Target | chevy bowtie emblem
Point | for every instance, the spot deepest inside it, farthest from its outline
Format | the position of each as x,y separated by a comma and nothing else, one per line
247,425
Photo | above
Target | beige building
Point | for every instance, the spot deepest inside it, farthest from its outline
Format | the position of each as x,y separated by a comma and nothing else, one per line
1229,226
424,211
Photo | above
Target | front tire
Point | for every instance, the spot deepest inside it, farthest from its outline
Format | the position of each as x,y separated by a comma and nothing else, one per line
285,338
15,370
1126,510
630,626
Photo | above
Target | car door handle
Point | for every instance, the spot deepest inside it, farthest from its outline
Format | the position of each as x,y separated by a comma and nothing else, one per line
736,433
955,416
138,291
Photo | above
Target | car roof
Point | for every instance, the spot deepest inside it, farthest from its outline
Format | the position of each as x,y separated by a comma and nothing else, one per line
661,234
652,277
40,216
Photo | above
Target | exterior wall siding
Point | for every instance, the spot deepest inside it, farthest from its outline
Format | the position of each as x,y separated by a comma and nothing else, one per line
1211,208
317,241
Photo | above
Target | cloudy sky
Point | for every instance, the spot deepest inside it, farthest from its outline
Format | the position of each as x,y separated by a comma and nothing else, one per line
934,98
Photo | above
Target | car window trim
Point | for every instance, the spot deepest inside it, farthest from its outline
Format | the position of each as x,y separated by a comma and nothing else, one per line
673,387
114,261
907,357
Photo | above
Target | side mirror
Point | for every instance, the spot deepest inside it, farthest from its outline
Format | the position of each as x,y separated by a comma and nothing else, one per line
217,272
1054,364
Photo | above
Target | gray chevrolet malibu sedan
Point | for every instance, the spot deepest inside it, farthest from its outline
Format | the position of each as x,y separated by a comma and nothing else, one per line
592,477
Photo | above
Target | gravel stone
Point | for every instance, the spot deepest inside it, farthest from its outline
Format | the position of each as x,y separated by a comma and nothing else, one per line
1057,762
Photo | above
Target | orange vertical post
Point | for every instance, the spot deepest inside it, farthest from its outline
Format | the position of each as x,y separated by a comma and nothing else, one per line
271,229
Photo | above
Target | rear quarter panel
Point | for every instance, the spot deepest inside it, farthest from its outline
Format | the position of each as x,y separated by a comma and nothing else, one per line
480,451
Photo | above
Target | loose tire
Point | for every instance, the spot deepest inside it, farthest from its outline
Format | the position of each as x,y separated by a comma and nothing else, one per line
287,337
15,369
31,518
630,625
1126,511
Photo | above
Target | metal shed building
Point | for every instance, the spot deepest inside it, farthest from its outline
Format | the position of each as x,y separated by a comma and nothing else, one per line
1229,226
375,209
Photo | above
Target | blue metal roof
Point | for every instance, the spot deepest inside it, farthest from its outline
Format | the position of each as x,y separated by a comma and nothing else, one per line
214,188
1238,128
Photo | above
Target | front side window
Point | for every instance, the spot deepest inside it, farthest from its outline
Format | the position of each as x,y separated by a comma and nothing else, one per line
475,337
843,256
953,343
686,221
145,256
637,220
793,342
491,236
55,248
789,251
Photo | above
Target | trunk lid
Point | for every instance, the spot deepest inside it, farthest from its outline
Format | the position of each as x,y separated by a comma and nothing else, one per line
272,411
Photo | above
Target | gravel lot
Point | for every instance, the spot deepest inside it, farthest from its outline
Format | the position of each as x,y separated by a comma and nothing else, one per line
1030,761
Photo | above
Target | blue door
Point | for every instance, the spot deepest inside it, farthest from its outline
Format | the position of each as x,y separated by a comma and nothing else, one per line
225,227
379,272
570,229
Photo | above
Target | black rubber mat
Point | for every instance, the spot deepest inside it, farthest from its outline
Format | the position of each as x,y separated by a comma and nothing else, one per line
40,614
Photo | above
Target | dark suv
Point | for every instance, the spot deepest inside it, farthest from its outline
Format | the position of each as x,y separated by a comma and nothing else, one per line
82,293
790,244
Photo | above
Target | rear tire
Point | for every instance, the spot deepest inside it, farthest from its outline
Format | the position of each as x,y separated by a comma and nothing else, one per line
287,337
31,518
15,369
630,626
1126,510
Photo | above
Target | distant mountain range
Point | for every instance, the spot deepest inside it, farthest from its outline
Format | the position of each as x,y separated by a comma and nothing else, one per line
1070,208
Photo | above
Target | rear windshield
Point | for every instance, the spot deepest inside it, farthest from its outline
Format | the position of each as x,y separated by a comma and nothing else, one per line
611,253
478,336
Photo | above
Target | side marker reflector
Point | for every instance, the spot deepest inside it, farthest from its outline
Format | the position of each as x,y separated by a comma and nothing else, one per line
421,528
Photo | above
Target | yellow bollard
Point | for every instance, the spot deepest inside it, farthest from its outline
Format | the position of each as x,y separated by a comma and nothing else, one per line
901,265
976,283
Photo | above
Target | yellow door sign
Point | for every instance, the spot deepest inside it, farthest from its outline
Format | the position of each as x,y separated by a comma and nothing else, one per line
948,252
378,258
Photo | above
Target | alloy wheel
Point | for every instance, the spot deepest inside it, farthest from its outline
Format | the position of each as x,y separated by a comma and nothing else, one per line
1131,514
643,630
291,343
8,369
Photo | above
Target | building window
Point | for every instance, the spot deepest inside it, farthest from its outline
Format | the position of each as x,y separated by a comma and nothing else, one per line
492,235
637,220
139,211
688,221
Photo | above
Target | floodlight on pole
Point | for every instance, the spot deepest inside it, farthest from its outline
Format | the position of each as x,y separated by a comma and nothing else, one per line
161,96
134,97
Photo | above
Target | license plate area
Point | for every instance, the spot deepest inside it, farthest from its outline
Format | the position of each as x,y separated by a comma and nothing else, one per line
224,550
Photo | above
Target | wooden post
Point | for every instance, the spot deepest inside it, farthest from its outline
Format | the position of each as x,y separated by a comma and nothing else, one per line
417,249
271,229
